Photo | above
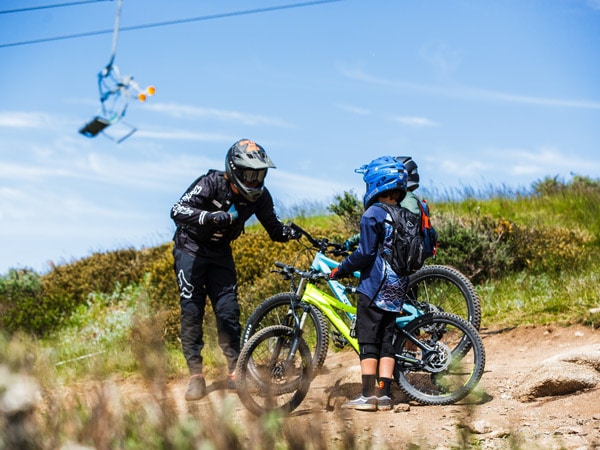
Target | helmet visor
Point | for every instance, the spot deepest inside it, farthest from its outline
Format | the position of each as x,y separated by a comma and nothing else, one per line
249,176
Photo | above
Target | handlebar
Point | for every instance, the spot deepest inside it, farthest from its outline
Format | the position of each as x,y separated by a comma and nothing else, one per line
287,271
323,245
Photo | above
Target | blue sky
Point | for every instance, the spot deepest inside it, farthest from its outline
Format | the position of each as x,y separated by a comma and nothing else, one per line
480,93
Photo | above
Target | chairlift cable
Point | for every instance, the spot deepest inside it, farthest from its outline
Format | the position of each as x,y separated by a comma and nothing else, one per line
60,5
171,22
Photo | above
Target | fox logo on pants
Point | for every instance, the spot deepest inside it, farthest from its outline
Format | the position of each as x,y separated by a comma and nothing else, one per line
185,287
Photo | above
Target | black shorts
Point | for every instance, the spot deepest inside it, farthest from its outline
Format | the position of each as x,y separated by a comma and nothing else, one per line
374,325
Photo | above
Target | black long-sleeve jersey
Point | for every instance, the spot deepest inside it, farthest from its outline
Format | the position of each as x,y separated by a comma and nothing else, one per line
211,192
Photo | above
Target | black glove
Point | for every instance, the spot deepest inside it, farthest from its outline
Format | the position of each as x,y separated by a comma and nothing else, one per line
220,218
291,233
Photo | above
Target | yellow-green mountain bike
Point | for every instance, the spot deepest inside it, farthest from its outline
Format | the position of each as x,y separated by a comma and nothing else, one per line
440,357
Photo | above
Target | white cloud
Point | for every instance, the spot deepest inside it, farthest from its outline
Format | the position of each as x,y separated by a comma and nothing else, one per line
16,171
457,168
294,188
182,135
594,4
547,161
413,121
443,59
193,112
503,166
469,93
20,119
355,110
48,212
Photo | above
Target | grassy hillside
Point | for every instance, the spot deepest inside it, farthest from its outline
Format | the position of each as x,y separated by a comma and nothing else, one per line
533,258
530,256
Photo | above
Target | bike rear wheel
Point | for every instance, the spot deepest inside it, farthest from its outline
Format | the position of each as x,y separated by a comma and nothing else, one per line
447,289
269,376
446,363
276,311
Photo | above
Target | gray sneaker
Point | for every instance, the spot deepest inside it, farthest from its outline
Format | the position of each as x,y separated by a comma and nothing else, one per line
384,403
196,388
362,403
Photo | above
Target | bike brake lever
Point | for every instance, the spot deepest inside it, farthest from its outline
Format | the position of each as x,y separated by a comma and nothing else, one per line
338,250
284,273
350,289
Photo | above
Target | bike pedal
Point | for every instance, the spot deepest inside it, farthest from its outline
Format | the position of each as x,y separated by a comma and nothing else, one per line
338,340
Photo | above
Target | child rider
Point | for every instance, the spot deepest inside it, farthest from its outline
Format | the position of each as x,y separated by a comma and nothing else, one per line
380,290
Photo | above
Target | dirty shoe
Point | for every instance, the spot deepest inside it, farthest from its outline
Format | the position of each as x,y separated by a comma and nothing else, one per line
196,389
362,403
384,403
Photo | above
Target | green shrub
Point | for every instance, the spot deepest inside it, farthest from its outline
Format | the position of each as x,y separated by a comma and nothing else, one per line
488,248
552,250
21,301
163,293
40,304
475,247
350,209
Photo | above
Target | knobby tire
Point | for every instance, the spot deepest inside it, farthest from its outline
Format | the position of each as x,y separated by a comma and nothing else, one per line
276,311
264,381
451,373
447,289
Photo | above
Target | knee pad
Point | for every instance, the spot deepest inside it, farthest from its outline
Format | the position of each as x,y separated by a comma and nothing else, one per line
369,351
388,350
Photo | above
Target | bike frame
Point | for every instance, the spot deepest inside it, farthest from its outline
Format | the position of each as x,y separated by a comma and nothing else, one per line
330,305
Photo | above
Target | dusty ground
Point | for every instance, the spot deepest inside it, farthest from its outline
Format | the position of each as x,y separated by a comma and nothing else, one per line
500,420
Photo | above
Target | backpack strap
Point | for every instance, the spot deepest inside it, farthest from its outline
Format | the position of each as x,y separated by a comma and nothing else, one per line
392,212
387,207
425,220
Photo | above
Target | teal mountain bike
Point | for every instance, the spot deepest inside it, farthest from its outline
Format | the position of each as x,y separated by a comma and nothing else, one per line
440,357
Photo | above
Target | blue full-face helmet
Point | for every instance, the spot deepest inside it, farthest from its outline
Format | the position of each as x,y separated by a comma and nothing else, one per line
381,175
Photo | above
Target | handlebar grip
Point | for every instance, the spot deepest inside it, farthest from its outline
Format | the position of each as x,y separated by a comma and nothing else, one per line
233,212
280,265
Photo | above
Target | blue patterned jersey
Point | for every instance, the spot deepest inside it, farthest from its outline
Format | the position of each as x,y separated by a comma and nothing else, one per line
377,279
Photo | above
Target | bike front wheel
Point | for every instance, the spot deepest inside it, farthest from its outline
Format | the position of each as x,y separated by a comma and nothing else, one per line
440,358
276,311
270,375
448,290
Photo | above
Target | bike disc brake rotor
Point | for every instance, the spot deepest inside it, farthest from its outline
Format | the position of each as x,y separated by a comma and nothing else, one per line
439,359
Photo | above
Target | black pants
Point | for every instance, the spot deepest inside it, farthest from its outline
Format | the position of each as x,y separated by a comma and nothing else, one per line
215,277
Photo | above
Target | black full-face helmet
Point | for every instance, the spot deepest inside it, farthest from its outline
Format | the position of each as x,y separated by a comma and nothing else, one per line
413,171
246,165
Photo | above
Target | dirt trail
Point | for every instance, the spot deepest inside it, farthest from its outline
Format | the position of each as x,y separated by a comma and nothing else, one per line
499,420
